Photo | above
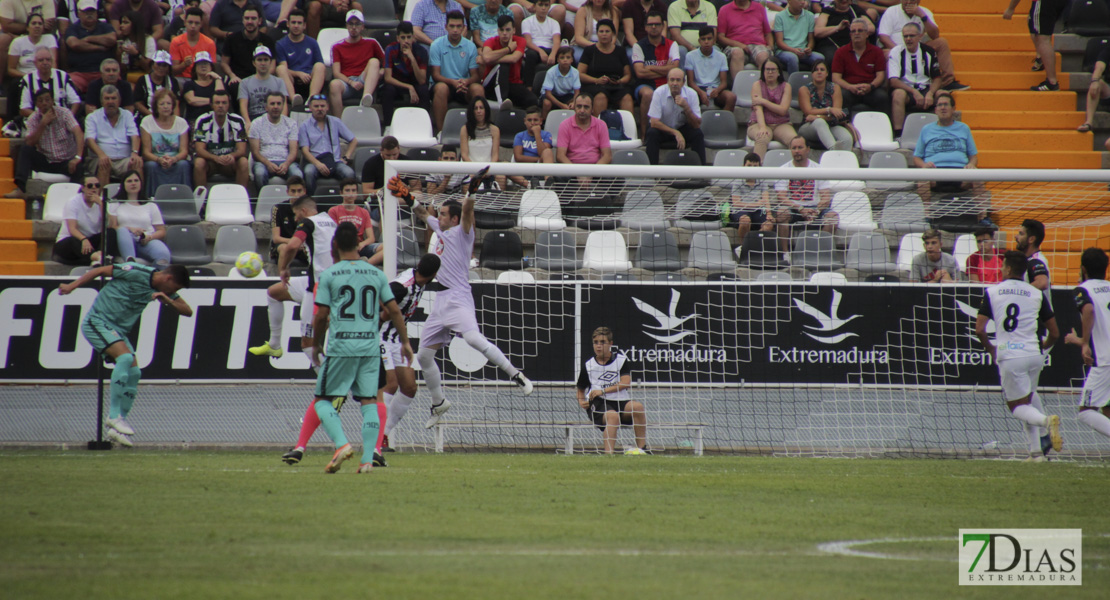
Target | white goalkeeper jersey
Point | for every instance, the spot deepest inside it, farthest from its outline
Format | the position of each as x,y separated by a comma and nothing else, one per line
1017,309
454,247
1096,292
596,376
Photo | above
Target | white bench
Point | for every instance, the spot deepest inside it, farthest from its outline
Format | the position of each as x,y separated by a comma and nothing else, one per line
568,428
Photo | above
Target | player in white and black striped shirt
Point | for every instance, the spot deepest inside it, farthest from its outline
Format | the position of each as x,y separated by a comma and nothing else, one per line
1092,297
602,390
400,387
1019,310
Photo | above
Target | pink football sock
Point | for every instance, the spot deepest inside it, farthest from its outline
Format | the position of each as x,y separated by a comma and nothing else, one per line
309,425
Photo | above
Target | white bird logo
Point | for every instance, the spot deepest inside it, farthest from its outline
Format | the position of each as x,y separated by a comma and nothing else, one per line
972,312
828,323
667,322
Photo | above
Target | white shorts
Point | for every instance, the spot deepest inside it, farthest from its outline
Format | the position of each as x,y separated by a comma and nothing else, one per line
1096,390
299,292
391,355
453,313
1020,376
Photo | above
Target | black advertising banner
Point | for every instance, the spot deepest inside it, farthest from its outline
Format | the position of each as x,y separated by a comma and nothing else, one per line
691,333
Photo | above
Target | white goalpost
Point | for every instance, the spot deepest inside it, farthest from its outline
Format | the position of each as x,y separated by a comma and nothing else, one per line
800,339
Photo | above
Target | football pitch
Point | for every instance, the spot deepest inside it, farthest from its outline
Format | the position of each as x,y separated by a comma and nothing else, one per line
234,524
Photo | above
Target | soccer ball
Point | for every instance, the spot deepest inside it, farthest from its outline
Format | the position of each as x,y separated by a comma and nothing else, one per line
249,264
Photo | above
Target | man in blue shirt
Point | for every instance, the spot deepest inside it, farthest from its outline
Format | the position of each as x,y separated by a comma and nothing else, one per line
947,144
453,60
89,42
113,316
112,139
300,62
319,139
429,19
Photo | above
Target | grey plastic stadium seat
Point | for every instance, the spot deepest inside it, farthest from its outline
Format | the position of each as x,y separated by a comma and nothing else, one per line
903,212
201,272
177,204
671,277
797,80
643,211
719,129
364,123
633,157
911,130
815,250
696,210
510,122
684,158
187,245
728,158
711,251
417,154
869,253
760,250
555,251
269,197
379,15
774,276
658,251
889,160
618,277
233,240
452,125
742,87
776,158
362,155
555,118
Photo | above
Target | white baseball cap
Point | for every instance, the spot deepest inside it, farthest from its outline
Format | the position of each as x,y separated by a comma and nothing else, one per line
354,14
202,56
162,56
260,50
84,5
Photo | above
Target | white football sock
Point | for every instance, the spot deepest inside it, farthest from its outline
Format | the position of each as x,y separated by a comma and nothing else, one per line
1035,401
1095,420
397,409
1032,416
427,359
275,311
308,352
1032,440
491,352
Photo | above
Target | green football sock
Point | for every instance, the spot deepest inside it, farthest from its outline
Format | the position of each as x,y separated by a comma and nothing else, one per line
121,376
132,390
370,426
330,420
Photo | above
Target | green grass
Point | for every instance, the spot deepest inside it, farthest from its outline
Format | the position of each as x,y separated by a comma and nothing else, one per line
162,525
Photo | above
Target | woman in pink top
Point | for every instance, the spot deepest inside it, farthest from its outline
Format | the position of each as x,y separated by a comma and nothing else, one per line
770,109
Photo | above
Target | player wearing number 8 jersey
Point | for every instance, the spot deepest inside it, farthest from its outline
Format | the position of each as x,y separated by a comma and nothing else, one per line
348,298
1018,310
1092,297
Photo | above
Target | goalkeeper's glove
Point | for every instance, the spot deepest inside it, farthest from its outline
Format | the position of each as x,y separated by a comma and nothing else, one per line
399,189
476,180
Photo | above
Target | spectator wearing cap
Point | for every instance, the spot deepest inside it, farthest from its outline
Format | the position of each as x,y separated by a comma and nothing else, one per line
299,61
109,75
453,60
220,137
199,90
54,143
159,78
429,19
184,49
46,76
356,66
148,10
15,21
320,140
89,42
406,72
273,142
238,53
254,89
112,138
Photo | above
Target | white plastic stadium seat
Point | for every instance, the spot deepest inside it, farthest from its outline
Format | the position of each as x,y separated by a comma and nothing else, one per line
540,211
412,127
515,277
911,246
630,131
825,278
228,204
329,37
606,251
965,246
855,212
57,195
912,129
842,159
875,133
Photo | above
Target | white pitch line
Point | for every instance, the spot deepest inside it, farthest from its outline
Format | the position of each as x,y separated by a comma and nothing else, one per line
847,548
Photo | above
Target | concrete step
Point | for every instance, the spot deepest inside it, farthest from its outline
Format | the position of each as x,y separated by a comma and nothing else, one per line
22,268
953,23
1016,100
994,81
1003,119
1035,139
19,250
1004,62
1037,159
987,40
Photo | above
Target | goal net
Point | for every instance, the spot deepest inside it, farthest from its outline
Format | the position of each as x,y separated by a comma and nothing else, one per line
752,327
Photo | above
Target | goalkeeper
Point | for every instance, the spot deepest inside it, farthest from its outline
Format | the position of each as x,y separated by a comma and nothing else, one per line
602,391
453,312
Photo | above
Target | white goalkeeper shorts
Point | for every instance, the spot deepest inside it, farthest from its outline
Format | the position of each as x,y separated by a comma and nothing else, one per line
453,313
1096,390
298,290
1020,375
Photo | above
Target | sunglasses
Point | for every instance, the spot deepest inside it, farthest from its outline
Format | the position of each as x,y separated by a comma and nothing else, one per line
92,186
318,97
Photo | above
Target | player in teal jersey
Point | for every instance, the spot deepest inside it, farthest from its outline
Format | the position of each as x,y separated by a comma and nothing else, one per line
113,314
348,298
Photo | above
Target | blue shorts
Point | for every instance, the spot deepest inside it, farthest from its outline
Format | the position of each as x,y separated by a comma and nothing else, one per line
362,376
102,334
350,93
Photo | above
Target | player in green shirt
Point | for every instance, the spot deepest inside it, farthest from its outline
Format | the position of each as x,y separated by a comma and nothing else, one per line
115,311
348,297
